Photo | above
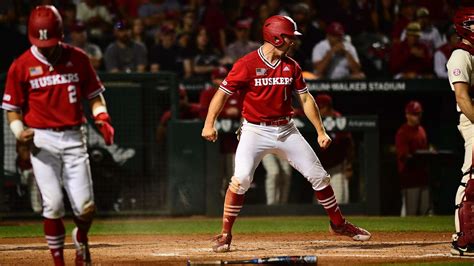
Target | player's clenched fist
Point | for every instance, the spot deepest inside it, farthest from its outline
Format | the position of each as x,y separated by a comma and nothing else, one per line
209,133
324,141
26,135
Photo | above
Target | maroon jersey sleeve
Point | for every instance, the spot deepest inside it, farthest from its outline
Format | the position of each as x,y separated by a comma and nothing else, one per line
92,85
299,84
14,95
236,79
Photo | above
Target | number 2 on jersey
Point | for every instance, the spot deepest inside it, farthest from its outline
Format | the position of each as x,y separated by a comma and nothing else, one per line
72,93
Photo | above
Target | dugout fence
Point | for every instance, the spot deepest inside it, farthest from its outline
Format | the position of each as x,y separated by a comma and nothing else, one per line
138,176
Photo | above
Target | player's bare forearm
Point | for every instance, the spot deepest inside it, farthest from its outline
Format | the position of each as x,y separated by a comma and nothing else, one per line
12,116
209,132
97,101
464,100
215,108
22,133
311,111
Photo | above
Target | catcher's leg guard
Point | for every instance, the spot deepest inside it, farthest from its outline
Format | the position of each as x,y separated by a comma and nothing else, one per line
465,214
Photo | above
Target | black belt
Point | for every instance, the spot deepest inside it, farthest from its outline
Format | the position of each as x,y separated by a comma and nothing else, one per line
65,128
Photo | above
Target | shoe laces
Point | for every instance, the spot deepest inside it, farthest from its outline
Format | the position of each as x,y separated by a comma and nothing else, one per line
350,228
222,238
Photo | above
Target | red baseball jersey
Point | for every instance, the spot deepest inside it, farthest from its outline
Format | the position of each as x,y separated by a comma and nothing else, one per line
265,88
50,96
408,140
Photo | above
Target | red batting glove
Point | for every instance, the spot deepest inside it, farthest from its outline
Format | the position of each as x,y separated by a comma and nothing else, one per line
103,123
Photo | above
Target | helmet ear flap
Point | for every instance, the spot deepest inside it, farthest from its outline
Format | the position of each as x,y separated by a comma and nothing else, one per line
278,41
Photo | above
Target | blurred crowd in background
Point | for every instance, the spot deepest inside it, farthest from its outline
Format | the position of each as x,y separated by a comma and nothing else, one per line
342,39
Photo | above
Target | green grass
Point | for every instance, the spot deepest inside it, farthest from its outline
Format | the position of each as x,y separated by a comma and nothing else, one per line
198,225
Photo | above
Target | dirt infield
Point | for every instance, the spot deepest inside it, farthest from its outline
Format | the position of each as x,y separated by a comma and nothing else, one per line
176,250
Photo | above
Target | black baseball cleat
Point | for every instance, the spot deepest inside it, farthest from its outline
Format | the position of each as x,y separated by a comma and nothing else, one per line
83,255
350,230
467,251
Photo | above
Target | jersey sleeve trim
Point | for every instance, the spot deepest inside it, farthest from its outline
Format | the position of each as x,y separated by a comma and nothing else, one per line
226,91
96,92
305,90
10,107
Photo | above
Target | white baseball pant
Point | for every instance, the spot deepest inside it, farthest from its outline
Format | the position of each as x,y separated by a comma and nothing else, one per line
61,159
257,141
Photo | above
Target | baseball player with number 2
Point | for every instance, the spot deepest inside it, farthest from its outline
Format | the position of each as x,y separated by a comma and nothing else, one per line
43,99
266,79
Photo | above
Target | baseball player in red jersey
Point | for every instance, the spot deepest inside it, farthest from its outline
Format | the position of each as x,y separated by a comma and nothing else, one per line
43,99
266,79
461,78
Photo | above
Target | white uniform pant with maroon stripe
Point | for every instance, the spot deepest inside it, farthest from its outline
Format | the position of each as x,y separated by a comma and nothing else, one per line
61,159
286,141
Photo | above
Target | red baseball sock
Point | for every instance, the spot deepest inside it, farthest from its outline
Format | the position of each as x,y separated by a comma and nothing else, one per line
328,200
232,205
83,229
54,232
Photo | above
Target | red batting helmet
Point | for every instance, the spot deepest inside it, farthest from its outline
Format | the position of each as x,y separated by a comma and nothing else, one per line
463,19
413,107
276,26
45,26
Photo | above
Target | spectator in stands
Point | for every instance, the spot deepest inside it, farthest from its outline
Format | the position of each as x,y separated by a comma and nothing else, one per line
233,105
335,57
96,17
205,58
139,35
167,56
151,14
127,9
214,21
429,33
361,10
443,53
13,32
187,110
405,16
338,158
7,12
383,17
79,39
353,15
411,58
242,44
125,55
69,15
231,111
414,179
188,23
276,8
312,34
257,25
